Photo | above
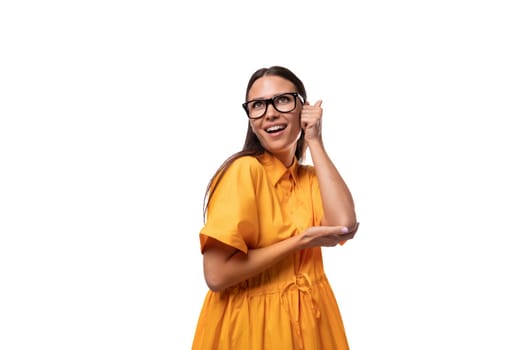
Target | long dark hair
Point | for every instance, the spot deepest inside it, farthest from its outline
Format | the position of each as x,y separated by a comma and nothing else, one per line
252,145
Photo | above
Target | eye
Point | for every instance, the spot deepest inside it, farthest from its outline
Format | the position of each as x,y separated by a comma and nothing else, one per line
283,99
257,104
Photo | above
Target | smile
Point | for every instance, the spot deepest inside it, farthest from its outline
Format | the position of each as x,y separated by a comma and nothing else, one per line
275,128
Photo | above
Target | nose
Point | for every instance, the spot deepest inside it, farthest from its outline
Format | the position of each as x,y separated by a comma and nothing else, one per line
271,112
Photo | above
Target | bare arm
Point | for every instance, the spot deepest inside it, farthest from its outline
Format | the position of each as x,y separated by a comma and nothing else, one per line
338,203
225,266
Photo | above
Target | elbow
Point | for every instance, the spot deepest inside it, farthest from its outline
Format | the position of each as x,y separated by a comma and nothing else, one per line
214,288
218,272
214,285
349,221
215,280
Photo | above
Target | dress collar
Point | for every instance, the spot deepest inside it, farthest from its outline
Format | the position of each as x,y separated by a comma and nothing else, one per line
276,169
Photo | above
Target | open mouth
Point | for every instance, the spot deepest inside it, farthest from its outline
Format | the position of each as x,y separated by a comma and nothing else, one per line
275,128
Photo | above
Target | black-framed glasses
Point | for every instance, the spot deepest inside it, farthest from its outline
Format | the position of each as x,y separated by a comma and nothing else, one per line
283,103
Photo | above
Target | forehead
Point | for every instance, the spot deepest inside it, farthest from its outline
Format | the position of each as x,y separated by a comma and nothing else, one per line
269,86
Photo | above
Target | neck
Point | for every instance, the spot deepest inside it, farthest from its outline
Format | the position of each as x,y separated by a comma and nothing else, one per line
286,159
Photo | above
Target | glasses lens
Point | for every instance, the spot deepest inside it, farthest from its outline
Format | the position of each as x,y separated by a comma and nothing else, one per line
256,108
284,103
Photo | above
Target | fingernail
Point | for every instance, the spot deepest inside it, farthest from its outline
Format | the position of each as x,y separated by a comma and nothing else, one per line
344,230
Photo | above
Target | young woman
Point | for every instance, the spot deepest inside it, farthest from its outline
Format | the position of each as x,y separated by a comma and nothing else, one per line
267,217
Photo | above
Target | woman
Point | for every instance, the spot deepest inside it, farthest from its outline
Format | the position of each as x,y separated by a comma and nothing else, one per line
267,217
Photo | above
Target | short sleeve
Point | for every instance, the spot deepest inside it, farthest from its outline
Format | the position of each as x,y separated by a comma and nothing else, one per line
232,215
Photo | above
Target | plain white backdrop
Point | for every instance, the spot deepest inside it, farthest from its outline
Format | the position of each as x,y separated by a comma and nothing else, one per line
114,115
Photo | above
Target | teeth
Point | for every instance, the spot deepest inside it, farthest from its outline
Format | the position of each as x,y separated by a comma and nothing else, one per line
275,128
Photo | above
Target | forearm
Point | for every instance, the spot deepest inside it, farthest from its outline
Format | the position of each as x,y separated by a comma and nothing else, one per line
224,270
338,203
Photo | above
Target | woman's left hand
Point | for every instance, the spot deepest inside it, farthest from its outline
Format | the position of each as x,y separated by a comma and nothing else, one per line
311,120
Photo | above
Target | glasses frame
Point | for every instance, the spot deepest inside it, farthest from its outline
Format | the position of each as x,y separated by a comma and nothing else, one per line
271,101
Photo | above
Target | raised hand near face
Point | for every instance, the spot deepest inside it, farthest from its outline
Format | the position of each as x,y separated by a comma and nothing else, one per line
311,120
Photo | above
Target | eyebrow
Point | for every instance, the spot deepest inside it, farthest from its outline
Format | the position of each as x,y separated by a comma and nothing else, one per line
269,98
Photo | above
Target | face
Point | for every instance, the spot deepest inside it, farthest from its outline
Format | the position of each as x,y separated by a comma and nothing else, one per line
278,132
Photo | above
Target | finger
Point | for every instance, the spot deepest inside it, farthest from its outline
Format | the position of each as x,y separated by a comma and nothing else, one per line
332,240
347,236
304,123
345,231
318,103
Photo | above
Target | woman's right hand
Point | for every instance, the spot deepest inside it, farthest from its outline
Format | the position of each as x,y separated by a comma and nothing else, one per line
327,236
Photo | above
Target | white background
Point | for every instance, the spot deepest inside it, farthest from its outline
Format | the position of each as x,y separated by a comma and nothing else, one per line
114,115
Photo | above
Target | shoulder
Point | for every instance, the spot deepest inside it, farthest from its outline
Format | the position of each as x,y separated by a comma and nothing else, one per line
245,164
245,167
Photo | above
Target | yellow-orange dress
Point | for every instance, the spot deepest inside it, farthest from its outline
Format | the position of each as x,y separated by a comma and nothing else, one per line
290,305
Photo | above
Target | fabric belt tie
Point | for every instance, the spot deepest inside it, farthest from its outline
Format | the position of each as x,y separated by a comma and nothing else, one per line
302,284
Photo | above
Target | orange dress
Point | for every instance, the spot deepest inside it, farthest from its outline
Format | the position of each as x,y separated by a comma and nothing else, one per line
290,305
